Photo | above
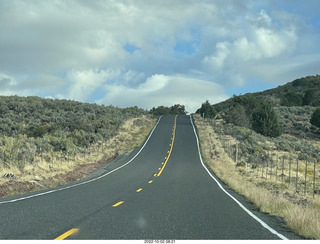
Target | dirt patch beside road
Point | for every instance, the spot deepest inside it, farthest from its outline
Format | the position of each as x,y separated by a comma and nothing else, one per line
13,186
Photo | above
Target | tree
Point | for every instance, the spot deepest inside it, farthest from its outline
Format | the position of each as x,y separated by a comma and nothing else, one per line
308,97
207,110
178,109
265,121
160,110
315,118
237,116
291,99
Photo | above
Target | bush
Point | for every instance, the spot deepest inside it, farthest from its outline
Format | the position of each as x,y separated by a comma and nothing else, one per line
207,110
315,118
237,116
241,164
265,121
291,99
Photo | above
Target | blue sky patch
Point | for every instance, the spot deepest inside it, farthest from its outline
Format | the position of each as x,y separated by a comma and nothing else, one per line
130,48
185,47
188,47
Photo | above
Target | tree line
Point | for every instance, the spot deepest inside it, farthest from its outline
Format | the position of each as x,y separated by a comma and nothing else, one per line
174,109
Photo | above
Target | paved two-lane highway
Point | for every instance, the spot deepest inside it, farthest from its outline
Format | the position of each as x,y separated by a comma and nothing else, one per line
161,191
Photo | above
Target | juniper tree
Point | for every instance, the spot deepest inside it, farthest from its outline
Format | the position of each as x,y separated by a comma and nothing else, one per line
265,121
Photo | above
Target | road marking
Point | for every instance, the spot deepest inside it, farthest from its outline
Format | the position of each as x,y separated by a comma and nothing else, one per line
154,174
88,181
150,181
169,152
68,233
273,231
140,189
117,204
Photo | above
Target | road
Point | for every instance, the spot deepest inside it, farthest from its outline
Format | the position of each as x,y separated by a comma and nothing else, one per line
160,191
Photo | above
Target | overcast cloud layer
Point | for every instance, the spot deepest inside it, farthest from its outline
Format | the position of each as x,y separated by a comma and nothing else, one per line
150,53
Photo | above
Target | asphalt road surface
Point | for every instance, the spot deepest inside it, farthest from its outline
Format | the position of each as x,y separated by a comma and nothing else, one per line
159,191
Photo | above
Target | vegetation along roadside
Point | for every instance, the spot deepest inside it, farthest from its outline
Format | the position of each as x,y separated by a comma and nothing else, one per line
45,142
266,146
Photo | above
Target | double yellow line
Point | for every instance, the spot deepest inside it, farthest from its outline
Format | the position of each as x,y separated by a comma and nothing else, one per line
75,231
171,145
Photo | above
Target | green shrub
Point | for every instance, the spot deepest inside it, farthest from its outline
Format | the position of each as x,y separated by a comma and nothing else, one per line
265,121
207,110
241,164
315,118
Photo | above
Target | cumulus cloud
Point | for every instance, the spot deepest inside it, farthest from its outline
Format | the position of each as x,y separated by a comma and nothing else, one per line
235,60
216,61
83,83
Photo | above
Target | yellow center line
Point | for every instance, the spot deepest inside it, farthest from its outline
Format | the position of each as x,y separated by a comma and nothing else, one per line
150,181
68,233
169,152
140,189
117,204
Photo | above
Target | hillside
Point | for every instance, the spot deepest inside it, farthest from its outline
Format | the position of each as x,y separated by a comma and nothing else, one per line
274,119
41,139
285,109
264,146
300,92
37,117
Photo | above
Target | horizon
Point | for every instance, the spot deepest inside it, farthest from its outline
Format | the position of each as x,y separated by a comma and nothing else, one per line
188,112
148,54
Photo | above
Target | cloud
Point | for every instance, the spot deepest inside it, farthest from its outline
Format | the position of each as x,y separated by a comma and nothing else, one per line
165,90
4,81
238,60
83,83
265,43
216,61
96,50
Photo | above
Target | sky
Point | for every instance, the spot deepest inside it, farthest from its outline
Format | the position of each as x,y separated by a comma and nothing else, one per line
148,53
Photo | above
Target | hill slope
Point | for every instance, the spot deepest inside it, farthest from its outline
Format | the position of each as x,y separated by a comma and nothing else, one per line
37,117
285,109
300,92
44,138
280,174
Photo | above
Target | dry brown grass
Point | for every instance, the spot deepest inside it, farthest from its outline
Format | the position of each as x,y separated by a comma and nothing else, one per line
302,219
131,134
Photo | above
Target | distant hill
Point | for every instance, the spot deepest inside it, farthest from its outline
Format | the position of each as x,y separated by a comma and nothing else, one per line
300,92
261,111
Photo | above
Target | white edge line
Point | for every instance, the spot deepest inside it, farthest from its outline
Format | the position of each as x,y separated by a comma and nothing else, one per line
88,181
273,231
